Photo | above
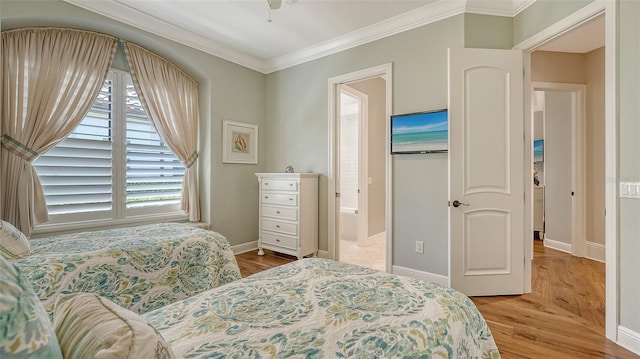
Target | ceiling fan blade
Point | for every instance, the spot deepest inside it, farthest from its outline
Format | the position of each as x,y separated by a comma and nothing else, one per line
274,4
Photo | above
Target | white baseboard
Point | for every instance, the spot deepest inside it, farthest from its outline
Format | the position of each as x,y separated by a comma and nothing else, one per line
253,246
595,251
560,246
629,339
245,247
431,277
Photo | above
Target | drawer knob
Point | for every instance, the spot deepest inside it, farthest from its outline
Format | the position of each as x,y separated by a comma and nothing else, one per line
290,199
266,183
290,184
277,226
278,212
266,197
277,240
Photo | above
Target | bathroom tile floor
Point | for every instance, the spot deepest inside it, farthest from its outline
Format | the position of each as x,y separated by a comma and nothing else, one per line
370,256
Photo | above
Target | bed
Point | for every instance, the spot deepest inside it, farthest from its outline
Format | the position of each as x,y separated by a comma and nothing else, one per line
318,308
139,268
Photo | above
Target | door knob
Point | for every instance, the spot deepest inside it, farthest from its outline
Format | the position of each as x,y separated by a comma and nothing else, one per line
457,203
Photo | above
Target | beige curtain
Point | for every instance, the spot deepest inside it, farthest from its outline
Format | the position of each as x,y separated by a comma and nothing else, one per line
50,79
170,97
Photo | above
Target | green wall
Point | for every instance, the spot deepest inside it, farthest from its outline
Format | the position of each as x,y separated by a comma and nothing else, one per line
488,32
229,192
297,130
628,161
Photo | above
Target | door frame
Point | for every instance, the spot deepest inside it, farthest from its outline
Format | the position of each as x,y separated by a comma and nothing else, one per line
578,160
384,70
588,12
363,165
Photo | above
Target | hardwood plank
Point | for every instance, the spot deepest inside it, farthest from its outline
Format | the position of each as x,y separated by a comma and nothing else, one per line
563,317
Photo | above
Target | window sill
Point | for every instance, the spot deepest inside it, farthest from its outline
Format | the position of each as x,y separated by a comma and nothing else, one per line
44,230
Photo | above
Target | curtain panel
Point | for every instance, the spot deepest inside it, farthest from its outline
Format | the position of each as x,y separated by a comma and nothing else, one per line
170,97
50,79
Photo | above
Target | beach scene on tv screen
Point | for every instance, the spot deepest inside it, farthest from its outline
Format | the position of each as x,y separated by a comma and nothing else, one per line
421,132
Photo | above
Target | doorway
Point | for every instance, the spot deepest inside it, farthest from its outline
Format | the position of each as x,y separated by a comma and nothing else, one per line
359,180
559,141
563,31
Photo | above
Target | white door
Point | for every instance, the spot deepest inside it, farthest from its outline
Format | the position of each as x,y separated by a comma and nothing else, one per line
486,165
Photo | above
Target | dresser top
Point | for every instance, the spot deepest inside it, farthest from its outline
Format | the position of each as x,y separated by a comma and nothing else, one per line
288,175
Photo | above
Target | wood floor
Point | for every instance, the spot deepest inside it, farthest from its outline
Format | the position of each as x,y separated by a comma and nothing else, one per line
563,317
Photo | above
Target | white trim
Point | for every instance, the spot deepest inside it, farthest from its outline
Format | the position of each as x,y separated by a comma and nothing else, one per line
384,70
93,225
430,277
595,251
611,174
570,22
521,6
245,247
419,17
629,339
498,8
578,159
141,20
425,15
422,16
557,245
563,26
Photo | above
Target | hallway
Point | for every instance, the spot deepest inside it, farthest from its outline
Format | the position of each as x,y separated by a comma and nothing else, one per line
563,317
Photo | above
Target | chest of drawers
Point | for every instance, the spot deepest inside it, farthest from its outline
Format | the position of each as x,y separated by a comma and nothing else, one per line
288,215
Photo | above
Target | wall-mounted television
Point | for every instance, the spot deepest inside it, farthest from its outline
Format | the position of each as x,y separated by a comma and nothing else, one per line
420,132
538,150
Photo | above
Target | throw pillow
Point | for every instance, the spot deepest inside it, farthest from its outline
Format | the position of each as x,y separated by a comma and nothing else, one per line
89,326
13,243
25,329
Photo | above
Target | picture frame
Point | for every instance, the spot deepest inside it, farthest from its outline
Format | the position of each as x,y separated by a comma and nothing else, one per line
538,151
239,142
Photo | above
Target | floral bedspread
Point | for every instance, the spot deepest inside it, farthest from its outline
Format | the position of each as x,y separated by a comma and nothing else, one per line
318,308
140,268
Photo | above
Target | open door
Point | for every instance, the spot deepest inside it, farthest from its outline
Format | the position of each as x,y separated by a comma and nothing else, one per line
486,171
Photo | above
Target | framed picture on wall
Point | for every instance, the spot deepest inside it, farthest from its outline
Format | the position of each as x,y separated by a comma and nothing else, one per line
538,151
239,142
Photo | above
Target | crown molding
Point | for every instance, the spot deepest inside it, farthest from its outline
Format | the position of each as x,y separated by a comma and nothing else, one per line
410,20
521,5
433,12
495,8
120,12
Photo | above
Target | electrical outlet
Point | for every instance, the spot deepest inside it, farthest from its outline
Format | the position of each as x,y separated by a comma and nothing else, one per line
419,247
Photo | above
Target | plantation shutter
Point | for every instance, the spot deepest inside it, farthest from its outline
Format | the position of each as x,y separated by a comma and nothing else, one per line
114,164
154,174
76,175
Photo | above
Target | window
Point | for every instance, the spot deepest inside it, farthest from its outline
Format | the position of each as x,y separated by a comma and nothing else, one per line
114,165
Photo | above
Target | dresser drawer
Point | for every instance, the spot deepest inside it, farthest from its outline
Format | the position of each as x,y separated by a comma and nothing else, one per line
280,198
279,185
282,241
277,226
280,212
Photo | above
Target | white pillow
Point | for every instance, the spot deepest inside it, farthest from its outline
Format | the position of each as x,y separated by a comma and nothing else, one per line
13,243
89,326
